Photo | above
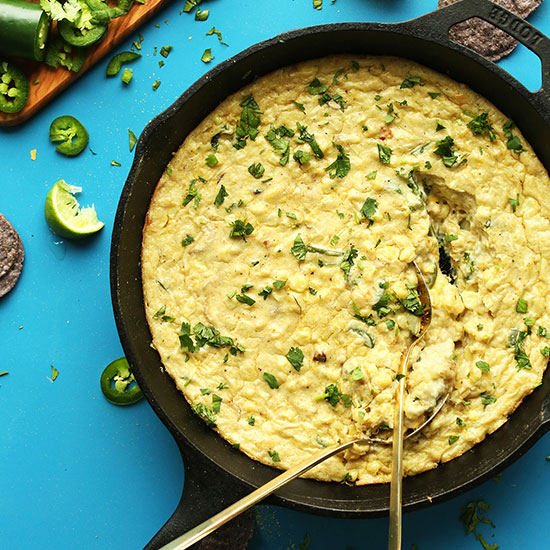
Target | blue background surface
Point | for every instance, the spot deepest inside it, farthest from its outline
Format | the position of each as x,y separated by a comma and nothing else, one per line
78,472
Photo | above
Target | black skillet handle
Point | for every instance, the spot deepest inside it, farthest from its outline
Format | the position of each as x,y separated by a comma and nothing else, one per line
207,490
437,24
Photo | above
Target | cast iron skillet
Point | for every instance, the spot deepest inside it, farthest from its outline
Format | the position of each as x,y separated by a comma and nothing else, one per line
215,474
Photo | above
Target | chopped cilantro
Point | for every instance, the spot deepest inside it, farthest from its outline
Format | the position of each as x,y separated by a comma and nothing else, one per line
187,240
220,197
216,403
545,351
248,122
480,125
132,139
460,422
299,249
487,399
368,210
299,105
207,56
256,170
192,194
356,374
265,292
348,261
278,138
433,95
410,81
439,127
222,386
341,166
241,228
372,175
271,381
390,324
251,420
381,307
514,203
391,115
412,303
333,396
450,238
513,142
278,284
309,138
483,366
301,157
453,439
446,150
315,87
384,153
215,31
206,413
274,456
244,299
295,357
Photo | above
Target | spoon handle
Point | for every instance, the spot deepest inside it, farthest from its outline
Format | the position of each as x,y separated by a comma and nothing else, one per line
206,527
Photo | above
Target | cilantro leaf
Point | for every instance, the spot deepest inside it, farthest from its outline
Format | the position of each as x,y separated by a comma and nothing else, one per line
220,197
384,153
299,249
348,261
315,87
206,413
241,228
369,209
271,381
480,125
341,166
249,121
309,138
410,81
446,150
295,357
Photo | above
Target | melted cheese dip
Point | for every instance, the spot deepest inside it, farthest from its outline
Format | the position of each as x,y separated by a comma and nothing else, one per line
276,264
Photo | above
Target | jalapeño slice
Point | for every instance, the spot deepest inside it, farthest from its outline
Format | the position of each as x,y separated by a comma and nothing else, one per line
14,88
118,383
81,37
71,135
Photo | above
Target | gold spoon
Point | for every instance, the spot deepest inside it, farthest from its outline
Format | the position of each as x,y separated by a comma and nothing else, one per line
396,487
206,527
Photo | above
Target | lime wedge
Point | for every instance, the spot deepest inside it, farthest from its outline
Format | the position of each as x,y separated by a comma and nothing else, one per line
65,216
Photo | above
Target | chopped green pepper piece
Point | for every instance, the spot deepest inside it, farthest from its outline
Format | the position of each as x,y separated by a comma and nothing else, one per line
61,54
116,62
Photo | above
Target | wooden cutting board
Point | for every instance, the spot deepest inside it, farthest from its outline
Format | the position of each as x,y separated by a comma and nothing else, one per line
52,81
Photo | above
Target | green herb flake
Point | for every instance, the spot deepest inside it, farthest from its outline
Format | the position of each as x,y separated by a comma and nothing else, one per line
348,261
410,81
201,15
241,228
341,166
514,203
513,142
412,303
433,95
244,299
384,153
299,105
220,197
274,456
211,160
545,351
309,138
256,170
372,175
453,439
251,420
271,381
187,240
315,87
155,85
207,56
247,126
265,292
356,374
215,31
368,210
278,284
450,238
439,127
487,399
295,357
132,139
480,125
483,366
